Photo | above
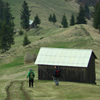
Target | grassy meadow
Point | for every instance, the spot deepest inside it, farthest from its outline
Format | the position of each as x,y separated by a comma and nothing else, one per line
43,8
13,71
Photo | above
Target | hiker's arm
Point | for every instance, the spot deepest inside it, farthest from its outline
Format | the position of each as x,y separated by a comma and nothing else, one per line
28,74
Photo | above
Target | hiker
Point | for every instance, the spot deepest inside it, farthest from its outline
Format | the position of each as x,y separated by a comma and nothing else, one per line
31,76
56,75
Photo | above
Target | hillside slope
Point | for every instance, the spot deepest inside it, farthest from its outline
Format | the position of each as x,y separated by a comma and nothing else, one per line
44,8
78,36
13,71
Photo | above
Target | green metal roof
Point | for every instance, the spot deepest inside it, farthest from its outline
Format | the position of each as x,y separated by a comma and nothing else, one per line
64,57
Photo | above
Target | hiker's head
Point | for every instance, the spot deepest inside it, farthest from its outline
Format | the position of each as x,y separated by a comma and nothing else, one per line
30,69
56,66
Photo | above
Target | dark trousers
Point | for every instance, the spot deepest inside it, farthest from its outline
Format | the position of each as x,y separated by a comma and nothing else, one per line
56,80
31,83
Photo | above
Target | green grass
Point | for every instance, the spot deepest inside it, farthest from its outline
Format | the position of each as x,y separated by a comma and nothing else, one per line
37,34
13,69
74,44
17,62
46,90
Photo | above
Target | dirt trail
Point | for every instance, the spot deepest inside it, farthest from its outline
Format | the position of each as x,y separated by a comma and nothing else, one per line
15,91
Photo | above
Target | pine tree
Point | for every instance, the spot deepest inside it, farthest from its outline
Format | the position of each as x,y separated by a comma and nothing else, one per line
25,14
72,20
1,10
7,28
96,18
6,37
81,16
36,21
50,18
7,16
26,41
21,32
87,11
64,21
54,20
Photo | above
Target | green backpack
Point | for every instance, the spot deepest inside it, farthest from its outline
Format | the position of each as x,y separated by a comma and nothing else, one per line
31,75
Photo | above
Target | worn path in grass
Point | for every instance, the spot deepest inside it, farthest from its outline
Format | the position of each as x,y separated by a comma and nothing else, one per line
46,90
15,91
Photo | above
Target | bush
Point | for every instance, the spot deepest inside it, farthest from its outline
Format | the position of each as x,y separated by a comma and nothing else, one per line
26,41
21,32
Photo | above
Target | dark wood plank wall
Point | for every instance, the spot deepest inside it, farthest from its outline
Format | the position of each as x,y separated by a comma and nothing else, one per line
73,74
45,72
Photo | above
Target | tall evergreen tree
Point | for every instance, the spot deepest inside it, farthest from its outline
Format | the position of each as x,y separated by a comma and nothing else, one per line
7,16
25,14
36,21
96,18
64,21
87,11
26,41
50,18
1,10
6,37
54,20
72,20
81,16
7,28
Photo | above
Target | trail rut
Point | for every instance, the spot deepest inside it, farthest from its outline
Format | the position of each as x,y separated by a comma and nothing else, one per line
15,91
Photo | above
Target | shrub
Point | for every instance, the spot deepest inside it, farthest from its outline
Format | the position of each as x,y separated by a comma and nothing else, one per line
26,41
21,32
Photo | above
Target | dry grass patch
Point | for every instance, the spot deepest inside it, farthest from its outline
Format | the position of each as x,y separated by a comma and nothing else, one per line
46,90
3,87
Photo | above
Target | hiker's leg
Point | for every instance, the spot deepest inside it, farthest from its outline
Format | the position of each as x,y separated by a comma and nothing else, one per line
32,83
55,80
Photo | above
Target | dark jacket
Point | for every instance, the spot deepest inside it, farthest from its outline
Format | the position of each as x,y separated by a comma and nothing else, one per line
55,72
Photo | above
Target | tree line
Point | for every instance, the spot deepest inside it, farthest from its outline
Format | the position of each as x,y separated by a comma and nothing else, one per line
96,20
7,23
89,2
80,19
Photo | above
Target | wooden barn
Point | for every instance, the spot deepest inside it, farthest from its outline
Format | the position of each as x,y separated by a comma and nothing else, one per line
76,65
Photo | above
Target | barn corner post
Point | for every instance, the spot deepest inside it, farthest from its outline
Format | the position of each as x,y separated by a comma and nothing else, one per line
38,72
91,69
